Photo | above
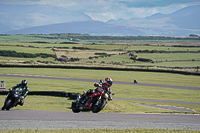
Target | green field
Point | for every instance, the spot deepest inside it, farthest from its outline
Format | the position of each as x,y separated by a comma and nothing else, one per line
37,45
63,42
29,38
121,91
27,49
164,52
129,76
161,50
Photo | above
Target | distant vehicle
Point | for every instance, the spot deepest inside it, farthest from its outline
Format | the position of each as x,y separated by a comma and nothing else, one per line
135,81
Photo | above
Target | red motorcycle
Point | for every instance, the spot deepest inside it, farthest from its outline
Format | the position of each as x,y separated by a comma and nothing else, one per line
99,102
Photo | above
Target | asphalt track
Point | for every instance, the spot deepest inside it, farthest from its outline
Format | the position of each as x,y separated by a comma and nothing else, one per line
92,80
29,119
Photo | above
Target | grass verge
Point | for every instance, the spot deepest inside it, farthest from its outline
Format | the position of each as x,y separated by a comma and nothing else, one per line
121,91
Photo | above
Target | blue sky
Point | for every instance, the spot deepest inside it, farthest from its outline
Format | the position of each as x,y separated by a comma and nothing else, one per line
104,10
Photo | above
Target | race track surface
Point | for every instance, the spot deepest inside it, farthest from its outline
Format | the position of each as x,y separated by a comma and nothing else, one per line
29,119
91,80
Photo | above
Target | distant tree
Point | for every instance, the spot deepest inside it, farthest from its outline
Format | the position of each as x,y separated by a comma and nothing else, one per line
193,35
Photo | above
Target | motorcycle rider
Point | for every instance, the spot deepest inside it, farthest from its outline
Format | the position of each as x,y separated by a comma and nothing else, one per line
25,90
96,93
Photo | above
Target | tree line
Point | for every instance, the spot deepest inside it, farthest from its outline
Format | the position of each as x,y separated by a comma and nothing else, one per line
9,53
91,37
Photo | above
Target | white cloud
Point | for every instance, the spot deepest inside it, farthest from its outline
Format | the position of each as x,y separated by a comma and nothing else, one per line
104,10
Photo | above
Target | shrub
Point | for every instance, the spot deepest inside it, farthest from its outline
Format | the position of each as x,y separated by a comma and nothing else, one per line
101,53
144,60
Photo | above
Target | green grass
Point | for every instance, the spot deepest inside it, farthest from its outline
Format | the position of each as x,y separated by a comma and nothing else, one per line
40,45
129,76
160,59
47,103
169,56
163,48
101,131
28,38
121,91
129,91
112,59
10,59
105,47
167,64
27,49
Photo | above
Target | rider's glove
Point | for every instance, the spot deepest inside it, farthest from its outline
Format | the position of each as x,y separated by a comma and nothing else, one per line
10,89
22,97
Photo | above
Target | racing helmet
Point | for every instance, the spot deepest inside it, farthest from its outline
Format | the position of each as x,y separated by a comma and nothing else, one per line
24,83
108,81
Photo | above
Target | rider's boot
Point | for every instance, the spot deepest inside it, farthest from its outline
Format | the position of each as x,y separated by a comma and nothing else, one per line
3,108
21,102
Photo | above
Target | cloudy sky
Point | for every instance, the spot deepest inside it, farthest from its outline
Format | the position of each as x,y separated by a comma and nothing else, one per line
104,10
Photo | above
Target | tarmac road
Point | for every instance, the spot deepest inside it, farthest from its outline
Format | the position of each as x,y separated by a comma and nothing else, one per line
29,119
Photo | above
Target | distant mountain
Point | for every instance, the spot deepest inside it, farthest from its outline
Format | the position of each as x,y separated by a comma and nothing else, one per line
15,17
83,27
188,18
180,23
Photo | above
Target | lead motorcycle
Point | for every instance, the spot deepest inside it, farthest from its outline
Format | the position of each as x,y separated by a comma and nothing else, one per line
12,99
97,105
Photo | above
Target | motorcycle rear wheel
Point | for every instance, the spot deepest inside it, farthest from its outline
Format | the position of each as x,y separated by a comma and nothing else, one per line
101,105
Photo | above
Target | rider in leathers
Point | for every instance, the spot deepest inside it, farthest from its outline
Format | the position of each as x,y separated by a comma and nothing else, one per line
25,91
95,94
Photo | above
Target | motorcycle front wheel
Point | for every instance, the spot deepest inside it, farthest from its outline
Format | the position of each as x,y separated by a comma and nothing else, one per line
75,109
8,105
99,106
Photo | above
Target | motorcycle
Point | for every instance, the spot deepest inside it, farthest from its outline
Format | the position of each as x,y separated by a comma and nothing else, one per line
12,98
97,105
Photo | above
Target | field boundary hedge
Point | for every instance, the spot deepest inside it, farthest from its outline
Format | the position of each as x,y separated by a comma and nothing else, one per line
70,95
147,69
